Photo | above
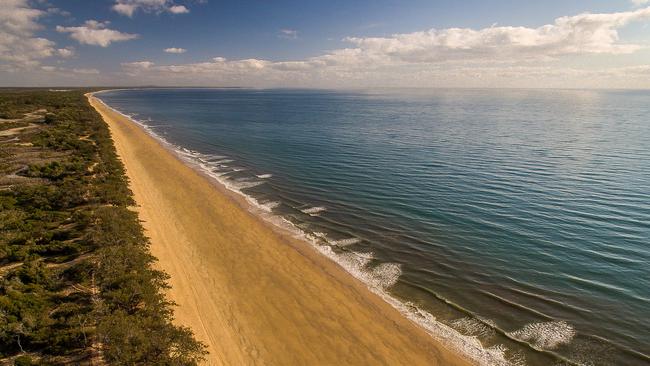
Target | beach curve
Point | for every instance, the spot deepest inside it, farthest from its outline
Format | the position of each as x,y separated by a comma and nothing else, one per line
253,295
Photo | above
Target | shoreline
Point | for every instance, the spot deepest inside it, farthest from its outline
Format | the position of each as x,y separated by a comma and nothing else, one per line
394,337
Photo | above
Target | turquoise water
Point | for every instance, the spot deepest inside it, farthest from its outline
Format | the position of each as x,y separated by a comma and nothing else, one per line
520,217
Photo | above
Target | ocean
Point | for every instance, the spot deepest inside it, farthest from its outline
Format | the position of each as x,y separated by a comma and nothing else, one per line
519,220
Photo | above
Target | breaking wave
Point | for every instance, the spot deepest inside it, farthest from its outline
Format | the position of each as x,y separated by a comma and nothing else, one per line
378,277
345,242
546,335
314,211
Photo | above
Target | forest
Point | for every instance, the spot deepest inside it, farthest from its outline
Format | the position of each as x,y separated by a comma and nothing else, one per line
77,281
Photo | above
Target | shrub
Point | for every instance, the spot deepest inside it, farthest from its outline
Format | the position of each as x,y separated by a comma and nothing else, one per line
52,301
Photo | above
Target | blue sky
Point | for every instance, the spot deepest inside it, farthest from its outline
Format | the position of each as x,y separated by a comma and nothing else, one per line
325,43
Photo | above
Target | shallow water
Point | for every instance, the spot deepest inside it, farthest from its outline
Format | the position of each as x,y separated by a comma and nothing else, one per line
520,217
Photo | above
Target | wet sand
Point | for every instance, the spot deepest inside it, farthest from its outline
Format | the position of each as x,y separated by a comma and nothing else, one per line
252,294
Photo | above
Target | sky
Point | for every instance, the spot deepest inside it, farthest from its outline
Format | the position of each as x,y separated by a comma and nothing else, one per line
326,44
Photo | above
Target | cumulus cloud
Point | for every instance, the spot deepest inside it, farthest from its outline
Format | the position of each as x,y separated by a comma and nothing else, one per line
640,2
130,7
50,75
137,65
178,9
95,33
65,52
17,17
288,33
263,73
570,35
18,45
428,57
175,50
57,11
85,71
514,56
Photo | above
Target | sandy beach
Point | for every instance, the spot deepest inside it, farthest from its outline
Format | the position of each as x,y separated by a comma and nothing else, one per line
251,294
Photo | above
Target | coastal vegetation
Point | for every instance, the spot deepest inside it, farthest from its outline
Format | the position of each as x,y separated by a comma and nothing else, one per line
77,282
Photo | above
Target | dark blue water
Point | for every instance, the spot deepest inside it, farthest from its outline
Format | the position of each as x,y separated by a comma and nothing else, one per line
521,217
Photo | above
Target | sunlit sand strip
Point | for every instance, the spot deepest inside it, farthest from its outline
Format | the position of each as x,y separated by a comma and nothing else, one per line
252,294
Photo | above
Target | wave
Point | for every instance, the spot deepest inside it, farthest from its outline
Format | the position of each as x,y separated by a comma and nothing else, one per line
314,211
210,158
319,234
246,184
265,176
545,335
475,327
345,242
270,205
378,277
222,161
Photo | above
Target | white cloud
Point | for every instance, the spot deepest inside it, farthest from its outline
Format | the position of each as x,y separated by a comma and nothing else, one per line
95,33
580,34
288,33
125,9
640,2
65,52
495,56
175,50
261,73
68,71
18,45
58,75
86,71
17,17
57,11
421,53
178,9
424,58
130,7
137,65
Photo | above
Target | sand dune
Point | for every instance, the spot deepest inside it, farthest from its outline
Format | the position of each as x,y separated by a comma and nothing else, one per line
253,295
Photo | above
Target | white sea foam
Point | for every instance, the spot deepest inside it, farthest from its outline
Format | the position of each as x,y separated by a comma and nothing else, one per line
473,327
377,278
249,184
269,206
213,158
314,211
223,161
384,275
546,335
356,264
209,158
239,183
470,346
265,176
265,208
345,242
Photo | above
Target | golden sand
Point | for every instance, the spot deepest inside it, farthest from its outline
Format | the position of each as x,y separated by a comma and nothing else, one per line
251,294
